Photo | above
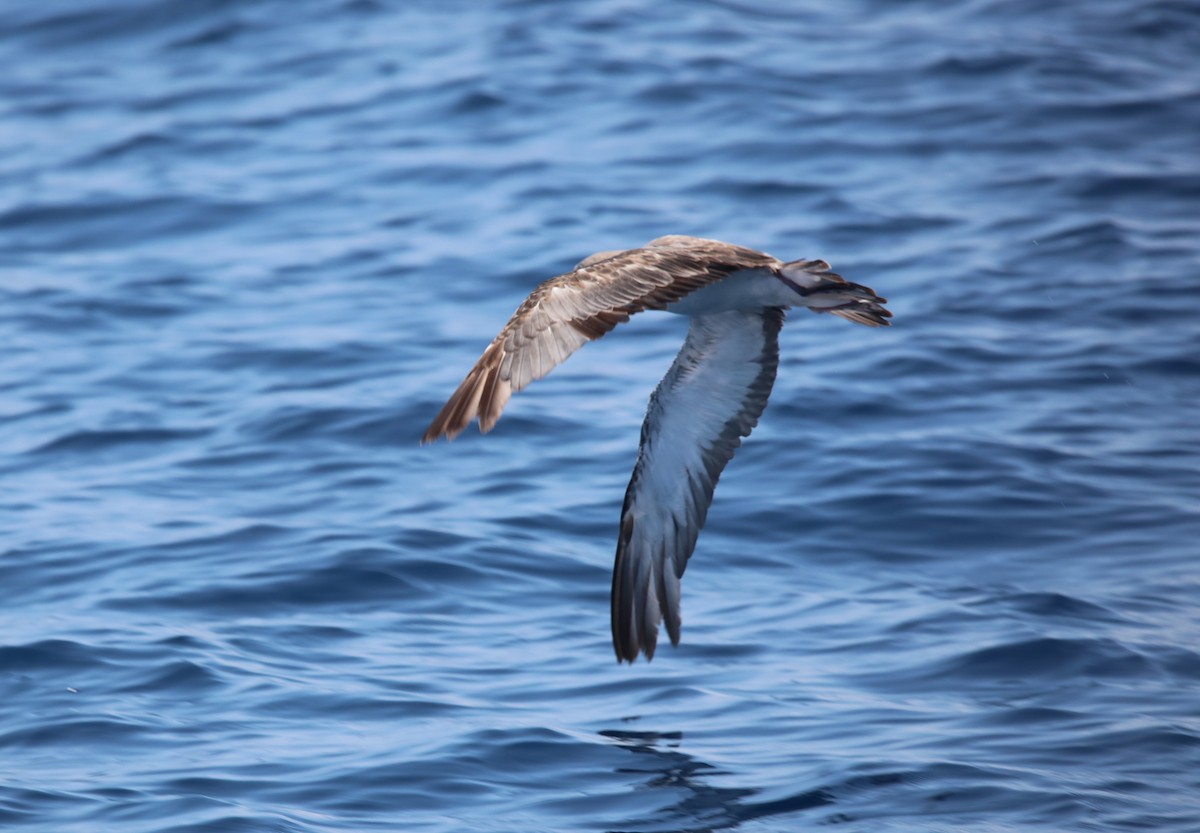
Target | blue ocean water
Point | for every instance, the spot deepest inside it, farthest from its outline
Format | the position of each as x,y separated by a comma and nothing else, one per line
247,249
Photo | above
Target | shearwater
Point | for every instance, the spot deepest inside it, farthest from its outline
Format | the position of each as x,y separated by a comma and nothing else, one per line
711,397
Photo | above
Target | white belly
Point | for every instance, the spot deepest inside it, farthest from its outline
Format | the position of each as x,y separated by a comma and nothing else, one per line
751,289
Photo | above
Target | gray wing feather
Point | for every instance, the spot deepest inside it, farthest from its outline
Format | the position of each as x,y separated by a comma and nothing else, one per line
710,399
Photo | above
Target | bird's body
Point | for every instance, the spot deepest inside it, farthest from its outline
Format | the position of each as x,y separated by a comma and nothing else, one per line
709,400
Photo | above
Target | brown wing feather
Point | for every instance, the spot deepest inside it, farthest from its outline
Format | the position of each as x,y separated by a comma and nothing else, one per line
564,313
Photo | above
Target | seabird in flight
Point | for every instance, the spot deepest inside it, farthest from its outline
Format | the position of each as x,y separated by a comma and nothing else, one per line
709,400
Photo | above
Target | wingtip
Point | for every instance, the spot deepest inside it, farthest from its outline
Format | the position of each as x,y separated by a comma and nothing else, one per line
439,430
436,430
629,644
869,313
629,653
632,655
624,645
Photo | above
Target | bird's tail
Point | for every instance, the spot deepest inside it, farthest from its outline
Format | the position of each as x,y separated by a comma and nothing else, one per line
826,291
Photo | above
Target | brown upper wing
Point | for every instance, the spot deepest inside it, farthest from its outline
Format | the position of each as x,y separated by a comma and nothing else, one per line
564,313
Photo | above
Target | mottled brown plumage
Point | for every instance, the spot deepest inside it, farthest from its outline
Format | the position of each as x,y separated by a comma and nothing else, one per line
564,313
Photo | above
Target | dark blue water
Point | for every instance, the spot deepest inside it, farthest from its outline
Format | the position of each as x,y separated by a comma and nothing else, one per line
247,249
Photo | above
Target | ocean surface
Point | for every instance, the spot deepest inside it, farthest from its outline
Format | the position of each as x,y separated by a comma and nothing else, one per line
248,249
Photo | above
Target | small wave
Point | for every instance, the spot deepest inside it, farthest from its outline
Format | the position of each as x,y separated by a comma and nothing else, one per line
354,425
80,731
96,441
181,676
59,654
117,222
1047,657
1057,606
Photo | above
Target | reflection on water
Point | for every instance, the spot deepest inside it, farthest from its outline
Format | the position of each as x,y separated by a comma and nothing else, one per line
702,806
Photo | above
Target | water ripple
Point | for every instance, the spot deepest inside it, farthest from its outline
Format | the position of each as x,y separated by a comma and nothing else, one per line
249,248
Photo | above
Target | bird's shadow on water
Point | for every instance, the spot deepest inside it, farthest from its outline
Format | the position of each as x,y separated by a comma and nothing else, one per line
703,807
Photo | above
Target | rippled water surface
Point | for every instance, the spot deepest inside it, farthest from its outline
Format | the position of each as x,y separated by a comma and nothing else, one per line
247,249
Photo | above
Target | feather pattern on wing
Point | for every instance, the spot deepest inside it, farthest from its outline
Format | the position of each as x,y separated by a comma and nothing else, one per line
564,313
709,400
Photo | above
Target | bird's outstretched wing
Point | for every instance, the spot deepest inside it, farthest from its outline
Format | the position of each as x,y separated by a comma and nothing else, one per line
564,313
709,400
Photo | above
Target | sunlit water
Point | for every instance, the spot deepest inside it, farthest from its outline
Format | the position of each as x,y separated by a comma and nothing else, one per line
248,249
